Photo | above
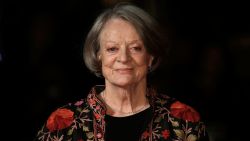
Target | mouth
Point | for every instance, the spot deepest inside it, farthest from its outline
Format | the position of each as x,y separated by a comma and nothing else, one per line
124,70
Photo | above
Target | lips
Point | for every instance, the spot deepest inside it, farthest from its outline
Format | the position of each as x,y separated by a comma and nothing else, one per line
124,70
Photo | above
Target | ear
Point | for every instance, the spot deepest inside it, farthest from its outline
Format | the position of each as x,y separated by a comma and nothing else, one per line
151,58
99,57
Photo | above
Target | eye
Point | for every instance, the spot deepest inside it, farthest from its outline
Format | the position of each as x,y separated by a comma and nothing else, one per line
136,49
112,49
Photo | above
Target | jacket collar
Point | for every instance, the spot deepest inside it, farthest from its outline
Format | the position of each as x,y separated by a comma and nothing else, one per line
99,110
98,106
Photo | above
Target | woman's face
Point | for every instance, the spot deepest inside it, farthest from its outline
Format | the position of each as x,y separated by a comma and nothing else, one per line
124,58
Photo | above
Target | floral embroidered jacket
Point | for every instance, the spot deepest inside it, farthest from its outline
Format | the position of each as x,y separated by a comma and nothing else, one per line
84,120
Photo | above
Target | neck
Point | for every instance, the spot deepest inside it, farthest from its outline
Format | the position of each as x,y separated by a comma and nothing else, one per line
125,101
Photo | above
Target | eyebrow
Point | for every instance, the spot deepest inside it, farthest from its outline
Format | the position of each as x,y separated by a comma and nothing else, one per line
107,41
128,43
134,41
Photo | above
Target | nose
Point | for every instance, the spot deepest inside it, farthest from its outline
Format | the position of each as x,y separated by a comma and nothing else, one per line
123,55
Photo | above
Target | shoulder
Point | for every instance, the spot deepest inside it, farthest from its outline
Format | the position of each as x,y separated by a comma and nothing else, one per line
177,109
65,115
183,118
183,111
65,121
187,123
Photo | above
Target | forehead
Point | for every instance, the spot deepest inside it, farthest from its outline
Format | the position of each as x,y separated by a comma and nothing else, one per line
119,30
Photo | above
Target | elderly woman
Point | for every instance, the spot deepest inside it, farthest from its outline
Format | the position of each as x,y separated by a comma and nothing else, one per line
123,46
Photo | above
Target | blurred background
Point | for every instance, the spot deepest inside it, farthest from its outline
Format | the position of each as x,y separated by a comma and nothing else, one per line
42,67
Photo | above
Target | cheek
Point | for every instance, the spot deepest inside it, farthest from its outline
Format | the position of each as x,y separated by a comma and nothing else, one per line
107,61
142,66
107,64
143,61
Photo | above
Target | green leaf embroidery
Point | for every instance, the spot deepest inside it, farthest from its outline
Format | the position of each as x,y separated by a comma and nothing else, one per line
90,135
192,137
179,133
70,131
85,128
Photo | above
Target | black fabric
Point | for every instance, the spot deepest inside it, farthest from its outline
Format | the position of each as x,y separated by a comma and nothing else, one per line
127,128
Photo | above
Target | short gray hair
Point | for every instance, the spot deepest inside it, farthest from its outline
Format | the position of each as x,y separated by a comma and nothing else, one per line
146,26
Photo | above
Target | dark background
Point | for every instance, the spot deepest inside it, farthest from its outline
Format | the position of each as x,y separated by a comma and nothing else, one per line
42,68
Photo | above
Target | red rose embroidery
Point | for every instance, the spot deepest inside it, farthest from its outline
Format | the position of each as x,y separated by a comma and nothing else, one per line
145,134
98,116
184,112
59,119
165,134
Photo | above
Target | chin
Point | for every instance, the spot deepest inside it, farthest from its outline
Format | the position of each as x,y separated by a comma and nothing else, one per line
123,83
